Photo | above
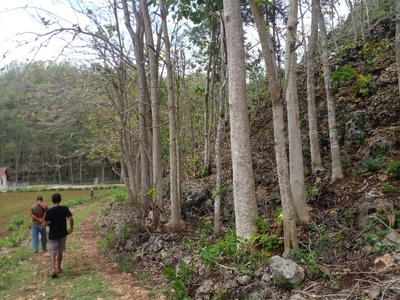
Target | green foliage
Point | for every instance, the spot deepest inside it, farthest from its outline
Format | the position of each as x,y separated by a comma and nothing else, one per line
350,213
225,247
188,242
153,193
342,73
362,85
394,169
18,220
121,196
310,191
387,188
309,258
269,241
202,172
373,164
216,192
179,280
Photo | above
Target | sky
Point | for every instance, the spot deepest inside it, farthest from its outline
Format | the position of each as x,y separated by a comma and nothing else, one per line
20,22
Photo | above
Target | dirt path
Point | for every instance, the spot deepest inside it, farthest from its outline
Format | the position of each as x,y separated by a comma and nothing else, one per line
81,256
122,282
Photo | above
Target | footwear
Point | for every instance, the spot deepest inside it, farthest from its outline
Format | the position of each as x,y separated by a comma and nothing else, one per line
54,275
59,271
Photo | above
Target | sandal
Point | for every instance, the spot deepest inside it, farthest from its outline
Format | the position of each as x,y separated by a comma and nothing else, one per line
54,275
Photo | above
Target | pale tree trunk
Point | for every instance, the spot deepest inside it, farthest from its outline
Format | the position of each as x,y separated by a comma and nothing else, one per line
294,134
175,220
137,38
289,220
362,23
243,178
156,145
206,125
220,131
353,18
398,40
316,161
71,170
335,151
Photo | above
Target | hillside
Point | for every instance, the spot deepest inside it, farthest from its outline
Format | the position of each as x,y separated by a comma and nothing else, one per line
348,251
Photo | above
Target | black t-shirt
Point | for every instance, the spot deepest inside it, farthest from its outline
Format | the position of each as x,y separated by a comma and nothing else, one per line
57,216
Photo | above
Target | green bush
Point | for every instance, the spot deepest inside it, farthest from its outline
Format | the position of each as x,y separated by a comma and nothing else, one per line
340,74
394,169
387,188
373,164
362,86
179,280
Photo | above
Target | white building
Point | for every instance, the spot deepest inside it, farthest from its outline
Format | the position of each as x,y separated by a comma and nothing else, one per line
4,179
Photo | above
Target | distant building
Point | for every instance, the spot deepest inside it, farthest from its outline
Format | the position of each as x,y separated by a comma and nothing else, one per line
4,179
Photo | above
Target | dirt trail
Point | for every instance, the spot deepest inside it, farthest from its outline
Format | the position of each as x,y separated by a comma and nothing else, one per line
85,256
122,282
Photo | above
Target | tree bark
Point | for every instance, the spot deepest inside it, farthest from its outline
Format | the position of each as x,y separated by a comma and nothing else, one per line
335,151
289,220
398,40
242,167
294,133
156,149
220,131
175,220
316,161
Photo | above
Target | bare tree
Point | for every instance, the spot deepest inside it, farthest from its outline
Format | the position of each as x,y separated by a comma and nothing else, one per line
289,215
156,145
175,221
333,136
295,147
220,131
316,161
242,167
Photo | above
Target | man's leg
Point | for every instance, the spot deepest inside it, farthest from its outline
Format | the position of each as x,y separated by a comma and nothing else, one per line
43,238
53,266
59,260
35,237
53,250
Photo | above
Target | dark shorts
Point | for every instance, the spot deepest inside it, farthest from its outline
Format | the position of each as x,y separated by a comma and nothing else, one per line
56,246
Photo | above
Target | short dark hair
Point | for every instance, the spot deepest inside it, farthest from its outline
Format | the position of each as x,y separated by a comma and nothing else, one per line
56,198
39,198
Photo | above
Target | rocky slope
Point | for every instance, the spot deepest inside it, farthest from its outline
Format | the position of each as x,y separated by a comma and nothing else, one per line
350,249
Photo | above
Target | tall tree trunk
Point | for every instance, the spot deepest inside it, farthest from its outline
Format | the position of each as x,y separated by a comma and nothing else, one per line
289,220
137,38
316,161
295,146
207,110
353,18
242,166
175,221
156,149
335,151
220,131
398,40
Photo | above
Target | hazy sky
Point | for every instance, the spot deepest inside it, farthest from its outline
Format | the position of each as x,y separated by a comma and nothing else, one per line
20,22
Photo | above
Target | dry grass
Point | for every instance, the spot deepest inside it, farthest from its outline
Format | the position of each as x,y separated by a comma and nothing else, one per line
12,204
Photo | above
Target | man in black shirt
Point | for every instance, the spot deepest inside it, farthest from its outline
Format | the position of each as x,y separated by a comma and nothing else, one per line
56,218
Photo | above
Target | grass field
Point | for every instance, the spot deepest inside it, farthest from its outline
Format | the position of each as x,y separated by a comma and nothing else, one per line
18,204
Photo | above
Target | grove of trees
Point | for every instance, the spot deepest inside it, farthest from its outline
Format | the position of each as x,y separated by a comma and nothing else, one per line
144,98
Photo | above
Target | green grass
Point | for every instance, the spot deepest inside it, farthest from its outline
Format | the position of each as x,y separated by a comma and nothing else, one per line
13,204
21,278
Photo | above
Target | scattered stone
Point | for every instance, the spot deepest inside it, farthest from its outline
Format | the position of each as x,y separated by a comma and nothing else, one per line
286,270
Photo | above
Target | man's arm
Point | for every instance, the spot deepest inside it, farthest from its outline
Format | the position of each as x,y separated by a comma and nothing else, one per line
71,224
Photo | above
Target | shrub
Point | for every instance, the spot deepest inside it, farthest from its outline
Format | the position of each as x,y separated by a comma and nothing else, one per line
394,169
373,164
